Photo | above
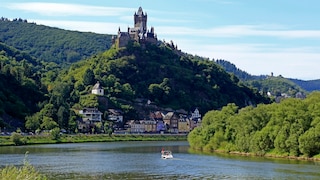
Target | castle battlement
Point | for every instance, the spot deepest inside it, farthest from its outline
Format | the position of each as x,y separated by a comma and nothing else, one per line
138,33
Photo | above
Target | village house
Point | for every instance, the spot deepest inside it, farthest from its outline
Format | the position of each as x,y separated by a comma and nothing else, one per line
115,115
144,126
158,117
195,119
171,119
161,127
196,116
150,126
89,117
184,124
135,126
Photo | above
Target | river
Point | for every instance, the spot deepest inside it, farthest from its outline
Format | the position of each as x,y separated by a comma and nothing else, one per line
141,160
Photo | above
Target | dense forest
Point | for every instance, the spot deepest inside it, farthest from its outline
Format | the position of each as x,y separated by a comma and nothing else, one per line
20,87
290,128
51,44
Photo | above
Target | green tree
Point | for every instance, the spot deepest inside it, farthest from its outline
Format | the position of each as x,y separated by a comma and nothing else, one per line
55,133
48,123
49,110
261,142
33,122
156,92
309,143
72,122
63,117
88,77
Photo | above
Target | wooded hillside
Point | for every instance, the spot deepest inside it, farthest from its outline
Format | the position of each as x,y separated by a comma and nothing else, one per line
159,74
20,86
52,44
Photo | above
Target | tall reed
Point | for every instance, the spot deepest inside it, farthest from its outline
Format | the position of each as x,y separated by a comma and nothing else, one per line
25,172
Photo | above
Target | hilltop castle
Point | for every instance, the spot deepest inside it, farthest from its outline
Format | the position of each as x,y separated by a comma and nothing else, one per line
138,33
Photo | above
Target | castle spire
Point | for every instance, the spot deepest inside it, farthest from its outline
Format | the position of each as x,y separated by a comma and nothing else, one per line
140,12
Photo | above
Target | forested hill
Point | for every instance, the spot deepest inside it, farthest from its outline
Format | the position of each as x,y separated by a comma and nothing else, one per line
311,85
162,75
231,68
51,44
20,85
32,90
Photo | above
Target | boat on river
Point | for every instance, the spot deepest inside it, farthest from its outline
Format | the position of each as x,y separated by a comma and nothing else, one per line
166,154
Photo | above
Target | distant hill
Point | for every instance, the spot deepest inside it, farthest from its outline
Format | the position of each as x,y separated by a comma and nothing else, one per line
52,44
275,85
311,85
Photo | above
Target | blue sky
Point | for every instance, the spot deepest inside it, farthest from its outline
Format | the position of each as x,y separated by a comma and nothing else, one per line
259,37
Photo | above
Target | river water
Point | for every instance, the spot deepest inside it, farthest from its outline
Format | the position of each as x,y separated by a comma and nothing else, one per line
141,160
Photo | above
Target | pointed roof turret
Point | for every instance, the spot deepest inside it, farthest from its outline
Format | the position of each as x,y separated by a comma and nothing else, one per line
140,12
97,86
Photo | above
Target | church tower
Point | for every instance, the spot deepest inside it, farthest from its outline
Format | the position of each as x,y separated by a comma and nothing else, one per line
140,21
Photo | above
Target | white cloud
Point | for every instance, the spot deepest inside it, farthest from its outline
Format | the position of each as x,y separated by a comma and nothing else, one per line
84,26
64,9
239,31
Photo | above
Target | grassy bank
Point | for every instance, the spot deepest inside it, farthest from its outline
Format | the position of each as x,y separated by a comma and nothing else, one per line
270,154
78,138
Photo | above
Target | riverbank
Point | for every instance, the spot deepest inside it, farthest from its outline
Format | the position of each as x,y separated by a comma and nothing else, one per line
80,138
272,155
268,155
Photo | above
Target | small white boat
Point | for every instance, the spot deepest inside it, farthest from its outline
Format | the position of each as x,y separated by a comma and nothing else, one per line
166,154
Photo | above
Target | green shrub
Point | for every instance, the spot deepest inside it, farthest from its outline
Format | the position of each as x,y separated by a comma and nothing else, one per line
17,139
55,133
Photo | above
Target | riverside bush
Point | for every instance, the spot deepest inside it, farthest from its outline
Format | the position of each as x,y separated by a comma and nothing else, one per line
17,139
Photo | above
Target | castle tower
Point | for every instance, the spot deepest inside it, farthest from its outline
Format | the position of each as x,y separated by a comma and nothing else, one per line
138,33
140,21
